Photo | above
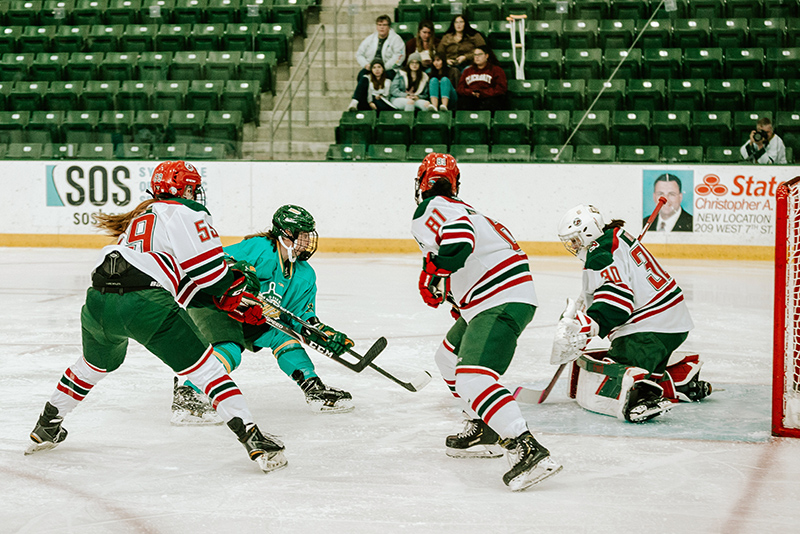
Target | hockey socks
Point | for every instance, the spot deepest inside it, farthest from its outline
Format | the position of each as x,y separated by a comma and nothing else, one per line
493,403
229,355
76,382
292,358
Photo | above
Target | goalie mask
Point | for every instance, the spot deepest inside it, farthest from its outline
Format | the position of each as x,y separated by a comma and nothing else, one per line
177,179
436,167
579,227
295,225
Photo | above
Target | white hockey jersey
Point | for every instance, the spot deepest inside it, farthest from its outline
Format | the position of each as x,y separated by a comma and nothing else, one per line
488,266
627,291
175,243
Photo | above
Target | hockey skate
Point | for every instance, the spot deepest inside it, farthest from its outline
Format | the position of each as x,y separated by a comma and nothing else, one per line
530,462
645,401
191,408
48,431
325,399
696,390
477,440
265,450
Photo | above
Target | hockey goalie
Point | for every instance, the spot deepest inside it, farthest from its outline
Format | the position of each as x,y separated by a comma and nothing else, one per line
628,297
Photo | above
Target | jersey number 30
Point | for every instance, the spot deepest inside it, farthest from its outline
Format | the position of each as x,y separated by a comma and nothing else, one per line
656,275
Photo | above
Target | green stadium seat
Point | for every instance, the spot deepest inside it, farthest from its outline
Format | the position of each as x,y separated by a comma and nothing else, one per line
637,154
154,65
92,151
224,66
630,9
23,151
662,63
432,128
48,66
206,37
120,66
706,9
657,34
37,39
511,127
243,96
186,126
543,64
686,94
356,127
525,94
682,154
793,32
691,33
45,127
355,152
206,151
792,95
15,67
418,152
169,151
702,63
27,96
554,9
579,34
488,10
630,128
767,33
80,126
544,34
149,126
89,12
445,9
70,39
222,11
472,127
766,94
13,125
132,151
406,30
188,66
276,38
241,37
9,37
787,124
470,152
608,95
83,66
592,9
594,128
394,128
5,89
745,121
499,37
511,153
783,63
24,13
261,67
172,37
386,152
628,61
615,33
744,63
670,128
115,126
204,95
157,11
56,12
565,94
549,127
519,7
256,11
138,38
293,12
549,153
729,33
595,153
747,9
722,95
135,95
225,127
123,12
711,128
646,95
63,96
100,95
723,154
582,64
679,13
60,151
781,8
189,11
505,59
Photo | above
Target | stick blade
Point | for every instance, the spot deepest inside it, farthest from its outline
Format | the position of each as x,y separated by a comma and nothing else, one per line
419,382
528,396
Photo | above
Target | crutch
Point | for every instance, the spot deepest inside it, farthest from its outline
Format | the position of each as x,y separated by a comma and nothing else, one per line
518,23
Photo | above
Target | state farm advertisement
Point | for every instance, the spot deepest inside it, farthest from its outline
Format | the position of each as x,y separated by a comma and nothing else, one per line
729,203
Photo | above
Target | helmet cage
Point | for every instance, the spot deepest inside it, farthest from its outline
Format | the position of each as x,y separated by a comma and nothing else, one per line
297,225
579,227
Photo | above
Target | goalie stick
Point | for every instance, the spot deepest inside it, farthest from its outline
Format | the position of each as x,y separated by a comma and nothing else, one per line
531,396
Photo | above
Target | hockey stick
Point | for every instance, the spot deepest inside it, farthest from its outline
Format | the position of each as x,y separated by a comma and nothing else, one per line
531,396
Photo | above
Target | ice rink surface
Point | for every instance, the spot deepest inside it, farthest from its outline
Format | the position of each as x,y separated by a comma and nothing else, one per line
703,468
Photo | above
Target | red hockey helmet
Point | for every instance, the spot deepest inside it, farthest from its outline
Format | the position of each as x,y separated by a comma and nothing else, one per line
176,179
433,168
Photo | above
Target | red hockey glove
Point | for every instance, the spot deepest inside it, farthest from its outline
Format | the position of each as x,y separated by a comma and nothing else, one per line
232,297
249,310
434,282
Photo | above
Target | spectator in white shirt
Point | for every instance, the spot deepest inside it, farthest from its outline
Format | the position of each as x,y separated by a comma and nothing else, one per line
764,145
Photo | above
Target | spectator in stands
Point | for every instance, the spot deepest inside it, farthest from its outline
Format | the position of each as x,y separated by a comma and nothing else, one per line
764,145
378,95
410,86
483,84
443,80
384,45
424,43
672,217
459,42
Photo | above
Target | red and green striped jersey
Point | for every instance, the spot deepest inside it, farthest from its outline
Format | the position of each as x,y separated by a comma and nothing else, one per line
488,266
627,291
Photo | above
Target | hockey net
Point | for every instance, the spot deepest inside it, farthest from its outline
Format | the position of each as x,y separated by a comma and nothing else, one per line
786,350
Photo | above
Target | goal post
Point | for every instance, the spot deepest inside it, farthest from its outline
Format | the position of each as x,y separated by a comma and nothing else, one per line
786,341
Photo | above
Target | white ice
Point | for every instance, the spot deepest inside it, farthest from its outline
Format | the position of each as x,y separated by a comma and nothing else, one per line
703,468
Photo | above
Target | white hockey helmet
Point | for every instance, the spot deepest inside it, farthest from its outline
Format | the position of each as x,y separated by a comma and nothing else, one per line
579,227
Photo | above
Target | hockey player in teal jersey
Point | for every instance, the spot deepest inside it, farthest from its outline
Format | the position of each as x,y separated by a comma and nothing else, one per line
277,262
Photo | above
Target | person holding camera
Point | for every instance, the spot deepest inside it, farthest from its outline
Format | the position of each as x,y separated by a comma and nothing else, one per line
764,145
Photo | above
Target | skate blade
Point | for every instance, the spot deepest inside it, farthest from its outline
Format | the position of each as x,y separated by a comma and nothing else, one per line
477,451
187,418
650,413
272,461
43,446
339,407
546,468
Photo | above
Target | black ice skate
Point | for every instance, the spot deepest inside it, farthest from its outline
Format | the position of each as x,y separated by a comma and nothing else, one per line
191,408
48,431
695,389
530,462
477,440
265,450
325,399
645,401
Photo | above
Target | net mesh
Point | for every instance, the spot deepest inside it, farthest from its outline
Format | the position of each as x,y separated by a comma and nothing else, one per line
791,366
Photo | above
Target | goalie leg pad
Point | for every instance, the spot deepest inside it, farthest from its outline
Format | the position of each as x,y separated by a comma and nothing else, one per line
684,371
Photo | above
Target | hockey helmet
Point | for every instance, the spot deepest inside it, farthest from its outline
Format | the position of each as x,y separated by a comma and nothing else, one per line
177,179
579,227
433,168
297,225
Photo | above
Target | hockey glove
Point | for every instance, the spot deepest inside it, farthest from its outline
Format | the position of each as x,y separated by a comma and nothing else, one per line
434,282
332,340
249,272
249,311
573,332
232,297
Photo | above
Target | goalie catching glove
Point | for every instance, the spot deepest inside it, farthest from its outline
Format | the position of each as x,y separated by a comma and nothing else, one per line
240,304
332,340
573,332
434,282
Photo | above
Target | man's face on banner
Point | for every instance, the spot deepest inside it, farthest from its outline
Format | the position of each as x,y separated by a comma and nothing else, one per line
670,190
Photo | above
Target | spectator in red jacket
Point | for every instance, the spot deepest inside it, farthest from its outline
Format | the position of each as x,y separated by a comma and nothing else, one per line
483,84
